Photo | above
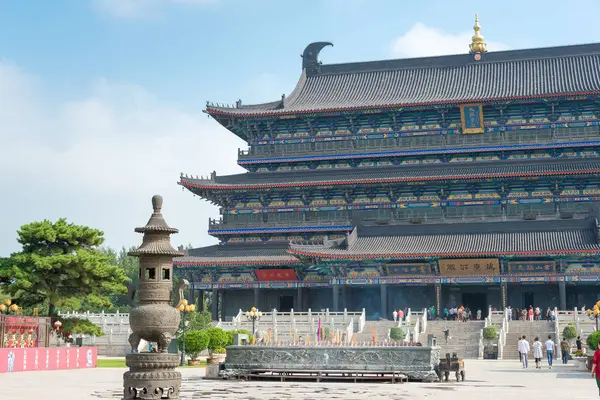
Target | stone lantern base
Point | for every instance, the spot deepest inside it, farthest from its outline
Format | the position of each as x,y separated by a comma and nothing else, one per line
151,376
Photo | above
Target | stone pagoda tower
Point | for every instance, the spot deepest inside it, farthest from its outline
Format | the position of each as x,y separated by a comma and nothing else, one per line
152,375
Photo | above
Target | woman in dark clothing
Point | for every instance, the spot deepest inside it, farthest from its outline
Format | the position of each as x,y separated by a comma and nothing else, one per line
578,342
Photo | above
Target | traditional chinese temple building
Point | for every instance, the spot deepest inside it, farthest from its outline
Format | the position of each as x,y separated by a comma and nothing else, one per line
468,179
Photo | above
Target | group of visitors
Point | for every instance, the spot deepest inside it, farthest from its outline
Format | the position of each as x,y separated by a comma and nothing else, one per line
530,314
399,315
460,314
538,350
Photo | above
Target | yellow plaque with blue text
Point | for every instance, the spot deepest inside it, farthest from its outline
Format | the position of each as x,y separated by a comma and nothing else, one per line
469,266
471,116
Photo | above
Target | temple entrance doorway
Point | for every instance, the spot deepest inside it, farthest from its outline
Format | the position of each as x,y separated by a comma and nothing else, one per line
528,300
286,303
474,302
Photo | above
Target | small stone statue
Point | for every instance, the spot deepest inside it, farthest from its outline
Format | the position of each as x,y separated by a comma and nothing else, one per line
154,319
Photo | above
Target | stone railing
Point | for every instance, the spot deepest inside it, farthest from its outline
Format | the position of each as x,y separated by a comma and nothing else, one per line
481,346
556,321
362,320
424,320
416,330
408,316
115,327
350,331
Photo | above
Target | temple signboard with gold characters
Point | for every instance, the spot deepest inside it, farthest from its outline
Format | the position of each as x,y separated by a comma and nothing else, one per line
472,118
469,266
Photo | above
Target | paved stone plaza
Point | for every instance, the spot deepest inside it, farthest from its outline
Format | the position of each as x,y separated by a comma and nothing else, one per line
491,379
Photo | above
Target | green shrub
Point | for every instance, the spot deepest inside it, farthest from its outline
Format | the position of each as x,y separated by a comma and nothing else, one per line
397,334
592,340
490,333
219,350
195,343
570,332
230,335
217,338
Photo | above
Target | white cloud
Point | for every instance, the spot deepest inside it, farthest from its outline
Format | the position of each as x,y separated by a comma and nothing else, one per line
97,160
423,41
141,8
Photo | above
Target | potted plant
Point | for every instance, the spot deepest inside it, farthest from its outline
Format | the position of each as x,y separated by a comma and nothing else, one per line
217,339
580,360
219,354
490,349
195,343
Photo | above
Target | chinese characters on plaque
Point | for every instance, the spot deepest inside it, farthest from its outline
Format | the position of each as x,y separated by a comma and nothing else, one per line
471,116
519,267
469,266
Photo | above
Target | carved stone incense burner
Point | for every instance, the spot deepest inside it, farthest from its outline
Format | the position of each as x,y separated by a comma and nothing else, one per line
152,375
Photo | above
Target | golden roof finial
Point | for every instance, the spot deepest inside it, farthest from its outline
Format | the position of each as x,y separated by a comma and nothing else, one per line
477,44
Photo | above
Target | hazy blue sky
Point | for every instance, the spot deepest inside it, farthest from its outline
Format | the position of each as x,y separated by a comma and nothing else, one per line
101,100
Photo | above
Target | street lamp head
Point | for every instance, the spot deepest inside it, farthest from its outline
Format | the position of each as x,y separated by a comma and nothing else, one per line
181,307
14,307
184,302
57,324
7,302
259,314
193,307
2,308
253,309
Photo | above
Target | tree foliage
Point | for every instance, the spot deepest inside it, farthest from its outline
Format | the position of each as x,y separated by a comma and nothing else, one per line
195,343
79,326
490,333
217,338
397,333
592,340
61,262
570,332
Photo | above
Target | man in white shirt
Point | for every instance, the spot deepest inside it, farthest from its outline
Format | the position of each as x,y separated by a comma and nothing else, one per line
549,350
524,350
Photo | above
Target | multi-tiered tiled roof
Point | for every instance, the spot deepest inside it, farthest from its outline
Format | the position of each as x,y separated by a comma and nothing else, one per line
496,76
527,238
507,169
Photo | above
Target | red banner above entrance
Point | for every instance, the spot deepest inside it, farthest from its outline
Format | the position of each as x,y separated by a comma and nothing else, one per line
271,275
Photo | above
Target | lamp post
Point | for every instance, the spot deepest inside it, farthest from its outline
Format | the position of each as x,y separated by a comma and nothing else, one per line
253,315
184,308
57,326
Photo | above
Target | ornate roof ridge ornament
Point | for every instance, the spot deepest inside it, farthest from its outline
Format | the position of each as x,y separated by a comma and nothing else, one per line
478,44
310,57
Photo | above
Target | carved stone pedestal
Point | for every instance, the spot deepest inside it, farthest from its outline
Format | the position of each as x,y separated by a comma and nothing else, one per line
151,376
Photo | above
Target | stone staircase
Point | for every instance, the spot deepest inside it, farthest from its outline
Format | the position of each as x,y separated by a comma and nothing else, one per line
531,329
382,330
464,337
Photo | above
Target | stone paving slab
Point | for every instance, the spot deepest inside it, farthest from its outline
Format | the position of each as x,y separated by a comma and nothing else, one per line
489,380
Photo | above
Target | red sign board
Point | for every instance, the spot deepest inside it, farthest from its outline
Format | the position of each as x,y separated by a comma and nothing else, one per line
46,358
273,275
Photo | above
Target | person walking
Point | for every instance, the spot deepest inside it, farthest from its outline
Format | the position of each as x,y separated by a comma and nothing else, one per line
478,314
578,343
524,350
549,350
564,350
395,314
446,334
400,315
530,313
518,350
537,352
596,367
